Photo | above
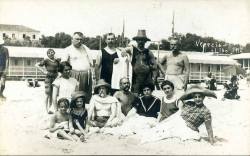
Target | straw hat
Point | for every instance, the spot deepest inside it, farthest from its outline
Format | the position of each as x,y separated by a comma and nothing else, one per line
1,41
77,94
100,83
197,89
141,35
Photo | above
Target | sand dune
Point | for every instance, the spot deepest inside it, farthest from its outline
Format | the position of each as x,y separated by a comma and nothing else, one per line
22,116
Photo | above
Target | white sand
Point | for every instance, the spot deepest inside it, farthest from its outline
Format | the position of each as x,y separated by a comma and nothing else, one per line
21,116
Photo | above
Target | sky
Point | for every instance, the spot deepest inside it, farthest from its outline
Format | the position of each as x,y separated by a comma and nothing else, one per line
227,20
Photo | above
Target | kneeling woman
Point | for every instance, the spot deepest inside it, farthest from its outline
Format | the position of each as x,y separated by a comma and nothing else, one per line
186,122
104,110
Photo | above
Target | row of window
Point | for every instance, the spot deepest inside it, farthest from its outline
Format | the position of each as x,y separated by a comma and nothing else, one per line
14,36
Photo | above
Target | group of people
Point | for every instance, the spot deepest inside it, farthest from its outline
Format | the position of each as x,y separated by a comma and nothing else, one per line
113,93
116,90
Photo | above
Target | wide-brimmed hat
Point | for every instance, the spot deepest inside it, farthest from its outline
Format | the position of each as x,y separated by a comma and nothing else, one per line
100,83
1,41
197,89
141,35
77,94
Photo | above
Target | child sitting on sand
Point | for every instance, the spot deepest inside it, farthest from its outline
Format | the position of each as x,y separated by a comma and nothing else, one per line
78,116
59,122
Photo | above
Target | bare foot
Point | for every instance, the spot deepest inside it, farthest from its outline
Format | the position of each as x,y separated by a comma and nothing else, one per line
82,138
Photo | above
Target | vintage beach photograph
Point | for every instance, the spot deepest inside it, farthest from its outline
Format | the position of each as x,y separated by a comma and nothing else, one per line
115,77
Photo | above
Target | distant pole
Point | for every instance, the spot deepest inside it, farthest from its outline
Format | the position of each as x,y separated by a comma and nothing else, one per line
173,25
123,31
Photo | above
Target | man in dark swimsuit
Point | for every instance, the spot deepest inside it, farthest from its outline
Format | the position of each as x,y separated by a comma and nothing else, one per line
107,58
4,64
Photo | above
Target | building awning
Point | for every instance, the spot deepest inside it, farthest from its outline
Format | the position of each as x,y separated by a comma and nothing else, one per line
240,56
34,52
203,58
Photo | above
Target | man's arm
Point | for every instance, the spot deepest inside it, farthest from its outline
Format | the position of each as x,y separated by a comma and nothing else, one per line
161,63
98,66
186,71
6,62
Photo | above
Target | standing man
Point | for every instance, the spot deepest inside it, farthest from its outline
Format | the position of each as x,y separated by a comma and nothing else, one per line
107,58
176,67
124,96
78,55
4,65
143,62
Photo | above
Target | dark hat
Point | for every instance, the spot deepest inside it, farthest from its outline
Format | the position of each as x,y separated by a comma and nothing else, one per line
77,94
197,89
150,85
100,83
141,35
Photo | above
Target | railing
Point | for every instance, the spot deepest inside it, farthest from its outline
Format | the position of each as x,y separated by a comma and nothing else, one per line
23,72
200,76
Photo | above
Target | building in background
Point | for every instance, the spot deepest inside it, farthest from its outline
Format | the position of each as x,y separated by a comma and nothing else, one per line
18,32
243,59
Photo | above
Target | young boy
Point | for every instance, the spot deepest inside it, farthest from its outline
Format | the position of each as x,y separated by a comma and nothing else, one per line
51,64
59,122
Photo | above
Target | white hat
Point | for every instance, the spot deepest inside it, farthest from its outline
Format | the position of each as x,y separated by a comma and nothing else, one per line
1,41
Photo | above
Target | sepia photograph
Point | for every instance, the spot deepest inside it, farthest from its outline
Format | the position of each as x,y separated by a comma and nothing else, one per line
124,77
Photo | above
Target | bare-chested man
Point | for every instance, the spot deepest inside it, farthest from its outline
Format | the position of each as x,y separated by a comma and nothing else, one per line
176,67
124,96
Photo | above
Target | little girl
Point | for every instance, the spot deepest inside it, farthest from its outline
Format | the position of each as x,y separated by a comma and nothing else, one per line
78,116
59,122
51,64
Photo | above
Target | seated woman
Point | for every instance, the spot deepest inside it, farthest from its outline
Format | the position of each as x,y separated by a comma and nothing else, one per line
213,84
147,105
186,122
232,88
104,110
169,103
64,85
142,116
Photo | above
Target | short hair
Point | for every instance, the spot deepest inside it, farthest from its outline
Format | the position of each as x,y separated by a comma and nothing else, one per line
78,33
108,34
63,65
149,85
123,79
63,100
166,82
73,102
49,50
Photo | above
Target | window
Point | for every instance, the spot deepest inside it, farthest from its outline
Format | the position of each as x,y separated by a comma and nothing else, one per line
34,36
13,36
16,62
24,35
28,62
4,35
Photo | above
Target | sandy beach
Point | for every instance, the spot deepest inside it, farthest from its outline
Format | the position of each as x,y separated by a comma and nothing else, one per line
22,116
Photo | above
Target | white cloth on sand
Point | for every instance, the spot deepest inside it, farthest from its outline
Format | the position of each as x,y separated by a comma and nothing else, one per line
172,127
122,69
135,124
